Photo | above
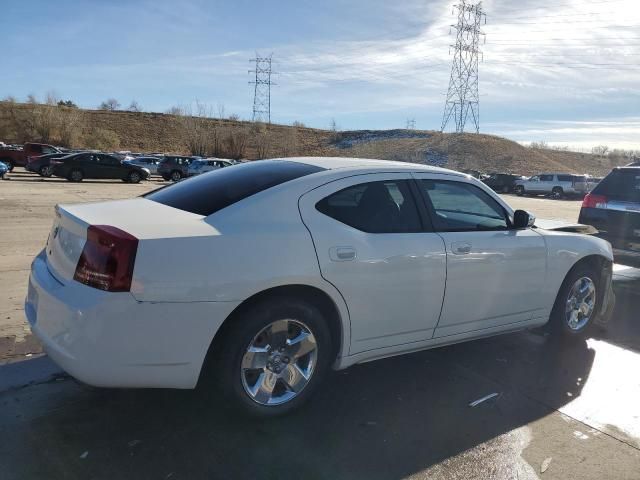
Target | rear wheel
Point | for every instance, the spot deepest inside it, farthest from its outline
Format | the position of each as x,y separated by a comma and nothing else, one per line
519,190
134,177
46,171
271,359
176,176
557,193
576,305
75,175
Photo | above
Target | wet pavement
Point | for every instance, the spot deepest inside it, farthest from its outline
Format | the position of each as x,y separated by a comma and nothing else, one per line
562,411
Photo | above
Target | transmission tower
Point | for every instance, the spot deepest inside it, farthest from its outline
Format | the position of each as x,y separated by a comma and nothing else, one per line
411,123
463,100
262,89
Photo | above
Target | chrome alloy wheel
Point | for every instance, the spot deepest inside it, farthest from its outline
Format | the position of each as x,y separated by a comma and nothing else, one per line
581,303
279,362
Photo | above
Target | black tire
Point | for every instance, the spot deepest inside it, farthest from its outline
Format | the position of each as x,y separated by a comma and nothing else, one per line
176,175
166,178
519,190
505,189
75,175
557,193
225,362
45,171
558,322
134,177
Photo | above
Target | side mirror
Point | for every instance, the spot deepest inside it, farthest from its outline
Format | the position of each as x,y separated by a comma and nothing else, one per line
523,219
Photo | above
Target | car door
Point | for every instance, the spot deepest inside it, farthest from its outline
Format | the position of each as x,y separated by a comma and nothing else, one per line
494,273
533,184
372,246
111,167
547,182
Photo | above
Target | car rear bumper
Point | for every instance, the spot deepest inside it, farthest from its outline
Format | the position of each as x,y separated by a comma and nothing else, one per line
111,340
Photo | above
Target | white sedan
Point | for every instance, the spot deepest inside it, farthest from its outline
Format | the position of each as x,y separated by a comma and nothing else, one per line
259,278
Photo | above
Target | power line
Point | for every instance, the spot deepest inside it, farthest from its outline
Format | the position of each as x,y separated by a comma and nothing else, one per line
462,97
262,89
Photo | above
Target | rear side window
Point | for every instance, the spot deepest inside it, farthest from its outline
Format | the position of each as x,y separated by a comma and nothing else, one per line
208,193
374,207
565,178
621,184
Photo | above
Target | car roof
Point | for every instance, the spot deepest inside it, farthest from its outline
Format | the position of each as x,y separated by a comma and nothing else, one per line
362,164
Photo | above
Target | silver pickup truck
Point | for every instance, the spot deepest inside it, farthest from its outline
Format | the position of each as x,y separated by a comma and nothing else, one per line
557,185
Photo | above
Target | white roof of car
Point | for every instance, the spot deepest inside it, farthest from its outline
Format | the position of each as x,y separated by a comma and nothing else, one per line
332,163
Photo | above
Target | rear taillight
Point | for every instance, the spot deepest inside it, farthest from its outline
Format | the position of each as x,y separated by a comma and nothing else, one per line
107,259
594,201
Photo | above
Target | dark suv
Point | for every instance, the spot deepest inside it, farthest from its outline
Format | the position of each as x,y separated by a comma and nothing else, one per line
502,182
613,207
175,167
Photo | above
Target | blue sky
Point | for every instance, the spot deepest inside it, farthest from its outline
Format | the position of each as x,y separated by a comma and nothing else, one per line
563,71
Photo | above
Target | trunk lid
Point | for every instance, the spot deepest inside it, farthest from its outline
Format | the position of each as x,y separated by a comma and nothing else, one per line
142,218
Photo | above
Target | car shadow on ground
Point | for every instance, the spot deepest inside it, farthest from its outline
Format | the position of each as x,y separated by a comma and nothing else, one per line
386,419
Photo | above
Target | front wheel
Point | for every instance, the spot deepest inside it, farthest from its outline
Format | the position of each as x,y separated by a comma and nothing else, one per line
576,305
519,190
46,171
9,164
271,359
176,176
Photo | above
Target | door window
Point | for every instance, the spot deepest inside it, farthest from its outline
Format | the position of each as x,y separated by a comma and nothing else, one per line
546,178
374,207
462,207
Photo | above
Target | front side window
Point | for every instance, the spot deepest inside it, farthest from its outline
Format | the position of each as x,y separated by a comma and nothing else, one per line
374,207
546,178
461,207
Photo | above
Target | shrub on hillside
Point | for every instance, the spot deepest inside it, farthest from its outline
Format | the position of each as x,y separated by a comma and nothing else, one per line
102,139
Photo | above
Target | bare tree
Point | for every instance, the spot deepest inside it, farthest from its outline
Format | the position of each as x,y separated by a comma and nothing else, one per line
134,106
51,98
220,107
236,142
31,99
234,117
175,110
600,150
10,99
299,124
199,129
110,104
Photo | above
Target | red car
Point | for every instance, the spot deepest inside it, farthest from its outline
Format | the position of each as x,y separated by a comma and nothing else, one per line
13,157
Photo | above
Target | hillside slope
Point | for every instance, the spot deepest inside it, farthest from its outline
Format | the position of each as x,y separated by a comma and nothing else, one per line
156,132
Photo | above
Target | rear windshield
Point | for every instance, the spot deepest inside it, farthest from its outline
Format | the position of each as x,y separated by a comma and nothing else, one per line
213,191
621,184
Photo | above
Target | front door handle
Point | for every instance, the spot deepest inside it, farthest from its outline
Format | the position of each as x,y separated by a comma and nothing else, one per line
461,248
342,254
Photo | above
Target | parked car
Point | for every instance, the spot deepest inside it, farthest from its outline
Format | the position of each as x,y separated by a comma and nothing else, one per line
207,165
557,185
291,267
613,208
79,166
19,156
175,167
502,182
150,163
42,164
4,168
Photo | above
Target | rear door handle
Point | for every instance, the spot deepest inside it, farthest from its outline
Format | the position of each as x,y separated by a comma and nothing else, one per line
460,248
342,254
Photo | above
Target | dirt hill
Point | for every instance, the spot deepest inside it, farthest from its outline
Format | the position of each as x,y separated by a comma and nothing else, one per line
156,132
